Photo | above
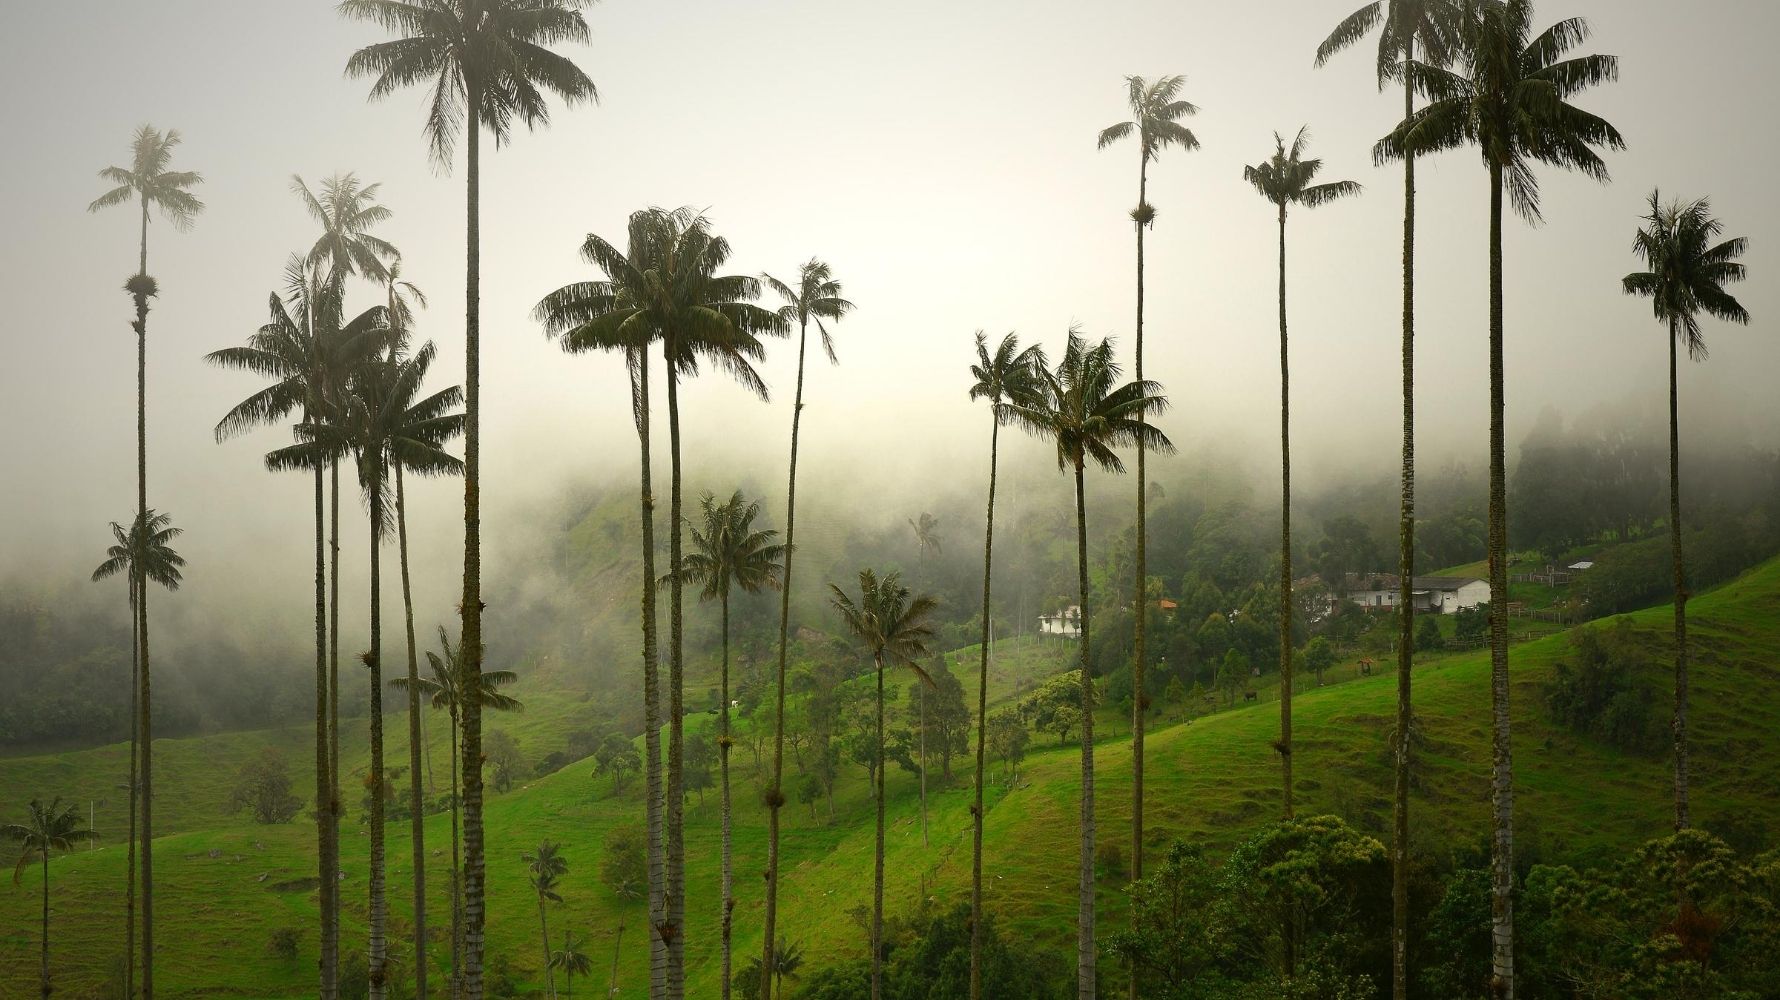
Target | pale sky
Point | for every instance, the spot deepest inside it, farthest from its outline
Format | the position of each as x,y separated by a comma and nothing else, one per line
941,156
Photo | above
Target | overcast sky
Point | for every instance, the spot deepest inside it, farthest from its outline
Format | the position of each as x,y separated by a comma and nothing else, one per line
940,155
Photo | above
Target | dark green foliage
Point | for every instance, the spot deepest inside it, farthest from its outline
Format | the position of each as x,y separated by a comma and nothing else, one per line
942,712
1605,691
1427,636
928,958
501,751
1470,624
262,788
283,944
1638,574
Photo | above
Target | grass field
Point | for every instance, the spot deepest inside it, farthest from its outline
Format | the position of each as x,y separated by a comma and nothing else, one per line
223,886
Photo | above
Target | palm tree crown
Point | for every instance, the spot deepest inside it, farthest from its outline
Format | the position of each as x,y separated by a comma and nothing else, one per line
1511,98
442,687
1009,375
1285,177
887,620
48,828
1086,413
729,552
1432,26
487,57
346,212
148,179
1688,268
1156,111
817,297
144,548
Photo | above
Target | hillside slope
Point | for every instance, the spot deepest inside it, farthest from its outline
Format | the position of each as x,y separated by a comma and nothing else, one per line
223,891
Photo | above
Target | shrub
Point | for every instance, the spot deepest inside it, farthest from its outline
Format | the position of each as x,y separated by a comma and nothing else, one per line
1602,695
283,944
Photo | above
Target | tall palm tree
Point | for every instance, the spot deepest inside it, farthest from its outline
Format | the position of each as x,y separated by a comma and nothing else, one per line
572,961
1688,267
816,297
926,534
669,289
306,351
143,553
150,183
1510,96
441,690
49,828
600,315
1285,180
893,627
1081,408
728,552
1404,25
546,866
1156,111
490,64
1008,375
380,421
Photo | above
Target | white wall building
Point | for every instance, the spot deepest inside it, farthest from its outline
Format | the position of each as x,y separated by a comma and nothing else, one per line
1066,623
1438,594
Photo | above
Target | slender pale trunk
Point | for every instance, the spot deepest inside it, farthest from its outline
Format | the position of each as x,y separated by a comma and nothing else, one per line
145,712
723,744
877,869
544,925
457,898
921,700
378,947
1140,601
130,838
336,803
328,873
651,687
1502,762
1285,552
1084,944
46,990
415,740
775,795
1406,585
675,890
617,949
976,809
1680,572
470,648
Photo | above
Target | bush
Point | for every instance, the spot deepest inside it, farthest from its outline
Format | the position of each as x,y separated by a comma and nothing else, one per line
283,944
1602,696
1427,636
263,788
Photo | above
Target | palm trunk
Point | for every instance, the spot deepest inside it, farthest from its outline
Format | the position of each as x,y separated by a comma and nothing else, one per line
651,688
617,946
544,925
1406,585
415,740
470,647
328,872
145,731
877,870
130,839
378,946
1285,552
46,922
336,804
775,795
1680,571
723,744
921,699
457,899
976,810
1502,763
1140,595
1084,944
675,889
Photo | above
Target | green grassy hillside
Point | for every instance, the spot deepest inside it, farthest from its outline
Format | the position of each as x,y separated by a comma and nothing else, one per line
219,880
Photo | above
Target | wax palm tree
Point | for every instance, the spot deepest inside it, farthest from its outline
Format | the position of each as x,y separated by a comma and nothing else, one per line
1404,25
926,534
545,867
143,553
1688,268
148,181
1083,410
816,297
306,351
490,65
1510,97
48,829
787,960
347,211
668,289
1008,375
379,421
572,961
1156,113
441,690
892,625
728,553
1286,179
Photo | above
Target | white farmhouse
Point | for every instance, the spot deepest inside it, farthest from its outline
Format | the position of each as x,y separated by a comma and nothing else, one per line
1436,594
1066,623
